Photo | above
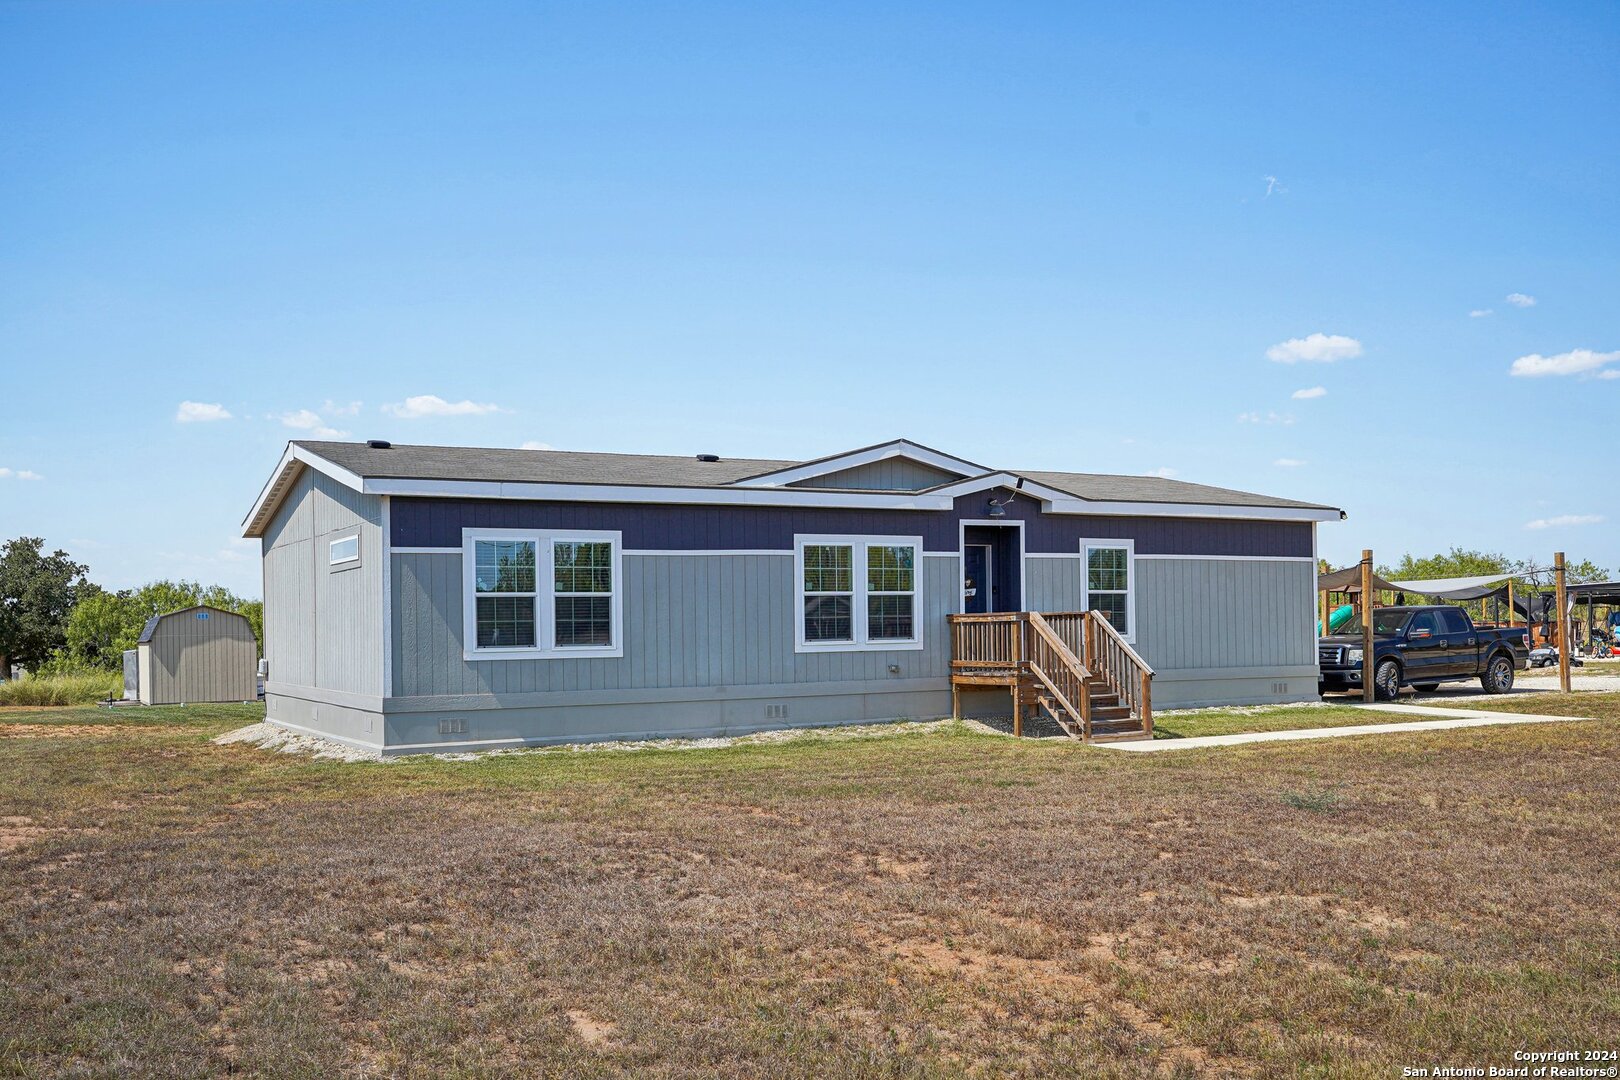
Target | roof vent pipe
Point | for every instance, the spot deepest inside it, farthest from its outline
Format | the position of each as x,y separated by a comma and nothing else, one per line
708,457
379,444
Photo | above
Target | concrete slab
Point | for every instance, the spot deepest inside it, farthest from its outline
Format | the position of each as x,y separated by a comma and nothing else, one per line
1451,718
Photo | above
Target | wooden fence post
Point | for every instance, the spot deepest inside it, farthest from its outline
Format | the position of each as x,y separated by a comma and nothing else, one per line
1562,593
1367,689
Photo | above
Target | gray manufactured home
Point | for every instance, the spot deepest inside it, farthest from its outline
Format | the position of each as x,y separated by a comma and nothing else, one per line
422,598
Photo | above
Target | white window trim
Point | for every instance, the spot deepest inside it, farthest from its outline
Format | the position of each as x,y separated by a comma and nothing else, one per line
545,600
858,599
1130,578
347,560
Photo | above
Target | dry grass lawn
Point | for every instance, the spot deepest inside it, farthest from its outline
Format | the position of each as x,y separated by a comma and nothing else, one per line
928,905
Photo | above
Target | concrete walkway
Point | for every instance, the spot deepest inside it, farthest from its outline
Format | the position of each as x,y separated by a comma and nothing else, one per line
1447,719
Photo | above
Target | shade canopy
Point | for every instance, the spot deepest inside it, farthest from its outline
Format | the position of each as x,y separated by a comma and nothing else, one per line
1457,588
1349,581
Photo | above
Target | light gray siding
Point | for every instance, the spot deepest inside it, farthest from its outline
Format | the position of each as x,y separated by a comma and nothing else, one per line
690,621
323,626
890,474
1216,613
199,655
1227,632
1054,583
1215,631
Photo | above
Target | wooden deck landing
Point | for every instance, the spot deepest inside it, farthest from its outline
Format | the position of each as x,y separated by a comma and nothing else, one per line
1071,665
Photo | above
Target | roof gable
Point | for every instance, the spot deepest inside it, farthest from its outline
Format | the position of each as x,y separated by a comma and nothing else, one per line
816,473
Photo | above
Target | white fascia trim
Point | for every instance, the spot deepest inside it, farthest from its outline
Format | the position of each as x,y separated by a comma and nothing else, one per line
270,495
1070,505
985,482
898,448
424,551
615,493
1234,558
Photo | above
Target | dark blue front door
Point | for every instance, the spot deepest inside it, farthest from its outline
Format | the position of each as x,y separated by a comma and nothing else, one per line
976,578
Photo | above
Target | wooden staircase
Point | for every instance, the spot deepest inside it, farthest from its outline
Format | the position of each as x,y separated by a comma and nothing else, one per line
1073,667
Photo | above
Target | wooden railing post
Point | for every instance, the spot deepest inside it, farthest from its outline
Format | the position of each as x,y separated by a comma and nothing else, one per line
1147,703
1020,628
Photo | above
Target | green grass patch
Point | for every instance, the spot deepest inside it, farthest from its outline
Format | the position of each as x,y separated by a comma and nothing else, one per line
1594,705
1189,725
223,717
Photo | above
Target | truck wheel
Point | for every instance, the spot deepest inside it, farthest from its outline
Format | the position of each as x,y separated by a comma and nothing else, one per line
1425,687
1387,681
1498,677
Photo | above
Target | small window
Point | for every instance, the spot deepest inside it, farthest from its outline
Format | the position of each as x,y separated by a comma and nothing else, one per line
1109,582
1453,618
346,550
857,593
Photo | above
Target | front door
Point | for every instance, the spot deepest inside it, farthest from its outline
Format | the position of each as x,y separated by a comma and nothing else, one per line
976,583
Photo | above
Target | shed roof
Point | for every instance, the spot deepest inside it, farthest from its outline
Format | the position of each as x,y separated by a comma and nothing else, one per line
152,624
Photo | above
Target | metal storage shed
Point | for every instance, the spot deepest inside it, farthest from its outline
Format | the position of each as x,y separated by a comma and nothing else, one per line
197,654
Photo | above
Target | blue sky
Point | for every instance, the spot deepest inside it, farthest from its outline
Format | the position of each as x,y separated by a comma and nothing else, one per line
1040,236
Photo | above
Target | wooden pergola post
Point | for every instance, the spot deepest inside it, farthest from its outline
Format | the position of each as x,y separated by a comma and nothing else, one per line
1366,625
1562,592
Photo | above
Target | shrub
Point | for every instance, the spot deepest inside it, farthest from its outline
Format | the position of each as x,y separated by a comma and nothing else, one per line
61,689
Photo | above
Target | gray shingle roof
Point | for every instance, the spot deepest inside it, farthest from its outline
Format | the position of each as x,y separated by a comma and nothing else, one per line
537,466
402,462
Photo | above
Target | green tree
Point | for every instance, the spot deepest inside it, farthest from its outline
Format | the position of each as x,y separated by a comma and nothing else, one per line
101,629
37,595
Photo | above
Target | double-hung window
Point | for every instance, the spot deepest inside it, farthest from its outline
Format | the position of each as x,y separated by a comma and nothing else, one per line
1110,568
858,592
541,594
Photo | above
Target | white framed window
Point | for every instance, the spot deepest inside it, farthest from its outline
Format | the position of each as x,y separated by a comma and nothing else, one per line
1110,582
343,551
531,594
857,593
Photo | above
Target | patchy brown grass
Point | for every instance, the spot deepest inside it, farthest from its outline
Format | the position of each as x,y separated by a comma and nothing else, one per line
938,905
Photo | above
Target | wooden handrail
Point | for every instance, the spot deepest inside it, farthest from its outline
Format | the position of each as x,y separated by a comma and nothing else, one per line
1121,667
1066,652
1069,680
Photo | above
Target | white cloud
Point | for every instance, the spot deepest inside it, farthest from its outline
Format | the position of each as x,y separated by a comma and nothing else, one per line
1519,299
312,422
198,412
1481,312
1273,187
1288,463
332,408
1564,519
533,444
1163,473
1309,392
19,474
432,405
1574,362
1315,349
1265,418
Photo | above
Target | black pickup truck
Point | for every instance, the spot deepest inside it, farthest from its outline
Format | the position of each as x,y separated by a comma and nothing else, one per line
1424,647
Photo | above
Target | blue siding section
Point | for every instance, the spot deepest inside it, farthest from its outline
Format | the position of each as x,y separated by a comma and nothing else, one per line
438,523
